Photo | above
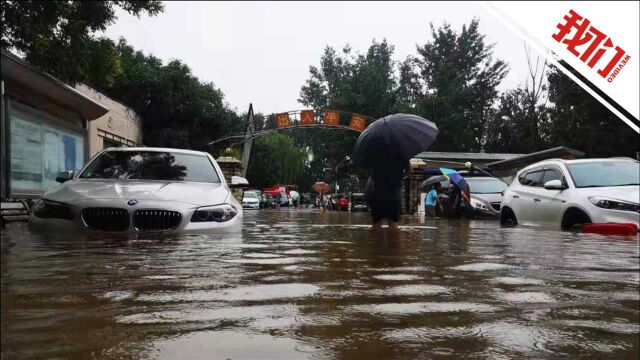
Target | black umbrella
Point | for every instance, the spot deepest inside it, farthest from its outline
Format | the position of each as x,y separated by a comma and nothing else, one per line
394,139
432,180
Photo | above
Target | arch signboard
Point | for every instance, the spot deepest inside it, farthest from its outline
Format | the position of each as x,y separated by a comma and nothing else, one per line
328,118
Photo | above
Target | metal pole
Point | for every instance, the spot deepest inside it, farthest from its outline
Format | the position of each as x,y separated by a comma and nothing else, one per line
246,153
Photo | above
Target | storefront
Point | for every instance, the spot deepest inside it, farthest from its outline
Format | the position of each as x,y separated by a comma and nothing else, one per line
44,128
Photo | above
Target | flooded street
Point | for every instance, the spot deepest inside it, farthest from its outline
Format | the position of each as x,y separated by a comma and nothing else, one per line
302,284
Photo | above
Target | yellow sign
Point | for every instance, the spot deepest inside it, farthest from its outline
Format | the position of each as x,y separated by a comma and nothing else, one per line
307,117
331,118
282,120
358,122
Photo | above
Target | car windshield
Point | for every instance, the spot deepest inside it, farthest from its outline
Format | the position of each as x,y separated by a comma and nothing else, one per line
486,186
151,165
250,195
605,173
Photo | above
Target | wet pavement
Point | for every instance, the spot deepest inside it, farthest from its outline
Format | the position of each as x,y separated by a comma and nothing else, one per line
301,284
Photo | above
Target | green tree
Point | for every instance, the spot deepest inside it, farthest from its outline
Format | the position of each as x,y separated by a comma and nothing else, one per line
579,121
176,108
58,36
459,80
514,126
520,122
359,83
275,160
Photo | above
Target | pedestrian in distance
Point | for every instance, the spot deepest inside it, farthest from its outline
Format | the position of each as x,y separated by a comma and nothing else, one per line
431,201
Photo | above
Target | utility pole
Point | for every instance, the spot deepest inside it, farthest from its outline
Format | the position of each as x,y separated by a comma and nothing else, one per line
248,141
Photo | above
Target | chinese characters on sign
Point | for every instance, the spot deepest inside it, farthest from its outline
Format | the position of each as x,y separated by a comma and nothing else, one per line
358,122
331,118
282,120
307,117
593,43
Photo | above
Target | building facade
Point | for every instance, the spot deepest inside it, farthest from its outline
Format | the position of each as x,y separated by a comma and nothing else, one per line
121,126
49,127
44,128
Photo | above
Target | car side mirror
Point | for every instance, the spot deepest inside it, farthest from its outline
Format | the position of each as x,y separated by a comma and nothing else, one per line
65,176
554,185
238,182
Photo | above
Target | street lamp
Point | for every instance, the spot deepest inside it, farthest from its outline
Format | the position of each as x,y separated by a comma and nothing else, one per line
336,172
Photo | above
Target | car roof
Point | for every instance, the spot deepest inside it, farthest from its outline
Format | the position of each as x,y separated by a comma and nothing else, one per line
157,149
573,161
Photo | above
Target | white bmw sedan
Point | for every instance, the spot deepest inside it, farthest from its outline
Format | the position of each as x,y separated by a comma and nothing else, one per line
569,193
132,190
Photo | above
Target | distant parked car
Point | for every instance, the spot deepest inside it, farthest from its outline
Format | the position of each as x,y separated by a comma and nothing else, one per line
251,200
358,202
133,190
569,193
342,202
486,196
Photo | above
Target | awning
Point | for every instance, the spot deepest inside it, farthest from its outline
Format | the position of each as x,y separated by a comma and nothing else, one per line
17,71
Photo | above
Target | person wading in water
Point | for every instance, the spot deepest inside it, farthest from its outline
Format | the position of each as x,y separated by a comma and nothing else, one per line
382,194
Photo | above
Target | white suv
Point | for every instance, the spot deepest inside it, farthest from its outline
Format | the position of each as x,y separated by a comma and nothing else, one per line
568,193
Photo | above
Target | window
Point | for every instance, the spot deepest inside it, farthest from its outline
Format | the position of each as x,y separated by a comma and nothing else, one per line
532,178
107,143
601,173
250,195
486,185
552,173
151,165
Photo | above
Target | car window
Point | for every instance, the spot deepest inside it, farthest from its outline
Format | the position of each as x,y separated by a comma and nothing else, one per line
486,185
151,165
552,174
599,173
532,178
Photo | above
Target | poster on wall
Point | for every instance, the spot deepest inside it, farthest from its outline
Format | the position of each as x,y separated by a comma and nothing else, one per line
51,158
39,153
26,155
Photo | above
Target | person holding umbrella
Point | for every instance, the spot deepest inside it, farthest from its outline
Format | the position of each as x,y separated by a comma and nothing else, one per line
431,200
385,148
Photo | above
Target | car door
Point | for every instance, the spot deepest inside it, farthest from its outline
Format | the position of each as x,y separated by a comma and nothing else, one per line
523,195
549,203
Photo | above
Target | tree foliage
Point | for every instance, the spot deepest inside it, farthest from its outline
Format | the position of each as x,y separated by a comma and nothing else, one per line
457,85
58,36
177,109
358,83
583,123
275,160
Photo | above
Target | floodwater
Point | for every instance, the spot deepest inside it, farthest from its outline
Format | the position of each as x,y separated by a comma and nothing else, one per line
302,284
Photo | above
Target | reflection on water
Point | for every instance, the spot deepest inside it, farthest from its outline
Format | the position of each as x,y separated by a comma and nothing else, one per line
301,284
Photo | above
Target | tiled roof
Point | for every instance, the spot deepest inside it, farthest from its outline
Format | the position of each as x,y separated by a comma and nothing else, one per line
437,155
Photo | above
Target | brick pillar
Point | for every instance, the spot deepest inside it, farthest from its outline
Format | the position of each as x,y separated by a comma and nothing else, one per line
231,167
411,187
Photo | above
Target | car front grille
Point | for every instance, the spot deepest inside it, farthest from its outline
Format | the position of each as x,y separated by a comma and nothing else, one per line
106,219
156,220
495,206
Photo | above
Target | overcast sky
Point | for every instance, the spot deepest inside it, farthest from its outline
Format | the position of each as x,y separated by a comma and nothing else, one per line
260,53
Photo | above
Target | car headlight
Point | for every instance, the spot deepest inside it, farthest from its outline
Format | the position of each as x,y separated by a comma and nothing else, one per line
217,213
613,204
47,209
478,204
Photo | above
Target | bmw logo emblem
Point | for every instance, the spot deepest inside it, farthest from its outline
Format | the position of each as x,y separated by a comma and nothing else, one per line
132,202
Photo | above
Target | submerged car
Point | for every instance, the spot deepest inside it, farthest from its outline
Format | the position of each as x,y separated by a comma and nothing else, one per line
570,193
486,196
250,200
132,190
